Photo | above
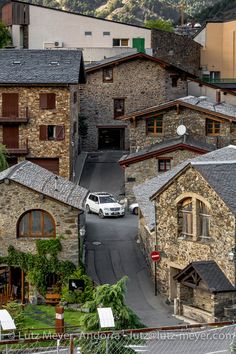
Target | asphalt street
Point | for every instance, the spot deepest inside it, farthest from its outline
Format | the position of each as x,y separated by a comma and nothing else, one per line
112,250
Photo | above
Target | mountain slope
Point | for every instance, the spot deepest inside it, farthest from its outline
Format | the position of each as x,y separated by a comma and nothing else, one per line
223,10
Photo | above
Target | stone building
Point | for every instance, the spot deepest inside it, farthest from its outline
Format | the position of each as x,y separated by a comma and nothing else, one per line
37,204
180,51
119,85
158,158
155,147
39,105
188,215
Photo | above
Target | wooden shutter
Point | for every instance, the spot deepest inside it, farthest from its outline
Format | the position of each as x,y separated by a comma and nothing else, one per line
43,132
51,98
43,100
60,132
10,105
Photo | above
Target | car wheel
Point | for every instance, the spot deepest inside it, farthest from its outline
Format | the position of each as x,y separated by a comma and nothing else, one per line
88,209
122,216
100,214
135,211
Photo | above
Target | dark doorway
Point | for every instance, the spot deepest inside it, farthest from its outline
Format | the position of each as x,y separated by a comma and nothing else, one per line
11,136
111,138
12,161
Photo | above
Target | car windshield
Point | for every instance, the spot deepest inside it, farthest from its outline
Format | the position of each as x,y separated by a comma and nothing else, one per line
107,199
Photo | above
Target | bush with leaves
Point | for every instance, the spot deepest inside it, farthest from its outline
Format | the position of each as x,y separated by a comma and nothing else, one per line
3,158
78,297
5,36
16,312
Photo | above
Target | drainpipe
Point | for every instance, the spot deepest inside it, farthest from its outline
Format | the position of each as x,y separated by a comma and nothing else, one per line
155,263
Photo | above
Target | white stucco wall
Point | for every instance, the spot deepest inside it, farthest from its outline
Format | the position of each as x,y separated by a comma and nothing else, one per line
48,25
201,37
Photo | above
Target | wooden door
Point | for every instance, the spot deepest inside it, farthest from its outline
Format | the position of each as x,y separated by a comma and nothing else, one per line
10,105
11,136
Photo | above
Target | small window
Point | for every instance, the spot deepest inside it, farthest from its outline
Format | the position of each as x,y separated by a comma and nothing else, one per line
108,75
120,42
187,217
88,33
47,101
213,127
51,132
131,179
106,33
155,125
164,165
119,107
36,223
174,81
204,220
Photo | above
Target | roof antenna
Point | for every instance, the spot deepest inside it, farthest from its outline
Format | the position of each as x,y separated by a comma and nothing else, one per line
56,184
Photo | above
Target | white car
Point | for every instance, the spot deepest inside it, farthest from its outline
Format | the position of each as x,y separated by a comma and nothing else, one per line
104,204
133,208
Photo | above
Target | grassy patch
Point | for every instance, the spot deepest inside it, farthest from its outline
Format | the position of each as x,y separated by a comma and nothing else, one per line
43,316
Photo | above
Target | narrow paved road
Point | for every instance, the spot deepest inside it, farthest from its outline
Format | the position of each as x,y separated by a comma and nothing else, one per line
111,246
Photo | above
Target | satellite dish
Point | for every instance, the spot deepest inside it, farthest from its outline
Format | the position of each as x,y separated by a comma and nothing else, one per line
181,130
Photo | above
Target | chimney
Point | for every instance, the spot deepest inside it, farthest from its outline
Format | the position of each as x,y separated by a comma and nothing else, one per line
218,96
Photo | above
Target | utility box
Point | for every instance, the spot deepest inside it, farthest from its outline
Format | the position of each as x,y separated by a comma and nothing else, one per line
139,44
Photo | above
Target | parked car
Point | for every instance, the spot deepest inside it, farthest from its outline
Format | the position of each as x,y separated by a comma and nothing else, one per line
133,208
104,204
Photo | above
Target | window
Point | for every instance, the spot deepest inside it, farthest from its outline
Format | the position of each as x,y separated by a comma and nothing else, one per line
164,165
88,33
106,33
75,97
52,132
119,107
174,80
131,179
108,75
47,101
212,127
193,219
120,42
155,125
36,223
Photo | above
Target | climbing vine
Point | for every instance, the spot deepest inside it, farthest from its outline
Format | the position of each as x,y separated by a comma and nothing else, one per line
38,266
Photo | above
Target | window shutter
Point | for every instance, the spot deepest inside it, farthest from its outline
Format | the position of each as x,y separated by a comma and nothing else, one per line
43,100
43,132
51,98
60,132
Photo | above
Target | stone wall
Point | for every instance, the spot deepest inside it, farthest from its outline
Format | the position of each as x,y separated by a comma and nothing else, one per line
194,121
15,200
142,83
183,252
178,50
148,169
64,114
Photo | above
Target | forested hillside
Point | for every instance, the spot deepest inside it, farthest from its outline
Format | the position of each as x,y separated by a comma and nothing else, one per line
223,10
137,11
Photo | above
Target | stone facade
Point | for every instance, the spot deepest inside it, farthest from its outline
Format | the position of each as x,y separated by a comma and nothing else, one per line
65,113
15,200
181,51
141,171
195,123
141,83
177,253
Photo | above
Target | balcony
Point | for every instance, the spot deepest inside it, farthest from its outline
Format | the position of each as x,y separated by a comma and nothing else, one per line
13,118
227,83
21,149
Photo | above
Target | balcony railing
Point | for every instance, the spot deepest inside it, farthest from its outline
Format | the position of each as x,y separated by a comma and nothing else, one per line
219,81
11,118
22,149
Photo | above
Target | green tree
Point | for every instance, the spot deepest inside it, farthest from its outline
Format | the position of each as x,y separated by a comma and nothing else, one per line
165,25
110,296
5,37
3,158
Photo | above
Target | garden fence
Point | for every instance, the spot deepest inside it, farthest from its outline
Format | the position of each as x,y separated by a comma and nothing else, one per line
167,340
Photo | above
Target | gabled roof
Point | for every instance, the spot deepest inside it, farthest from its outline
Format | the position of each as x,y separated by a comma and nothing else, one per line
41,67
124,57
47,183
146,192
202,104
210,273
167,146
79,14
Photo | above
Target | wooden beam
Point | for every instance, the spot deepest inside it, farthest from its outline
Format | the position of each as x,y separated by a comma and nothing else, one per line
178,108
